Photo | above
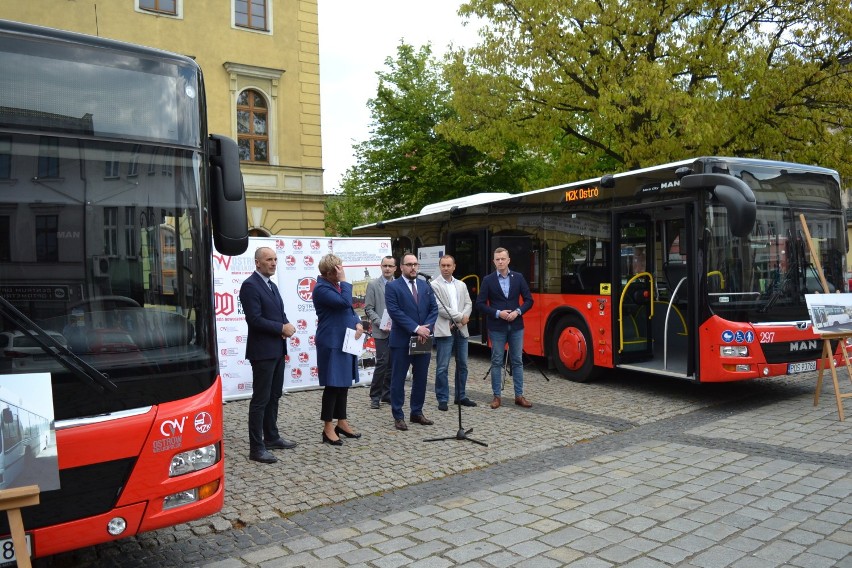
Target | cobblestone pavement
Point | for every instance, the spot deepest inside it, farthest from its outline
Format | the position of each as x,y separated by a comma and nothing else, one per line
624,471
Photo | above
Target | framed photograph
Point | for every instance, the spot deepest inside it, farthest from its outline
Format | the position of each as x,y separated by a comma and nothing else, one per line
830,313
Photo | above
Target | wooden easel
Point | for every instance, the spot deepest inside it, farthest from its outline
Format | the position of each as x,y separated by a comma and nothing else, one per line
11,501
827,358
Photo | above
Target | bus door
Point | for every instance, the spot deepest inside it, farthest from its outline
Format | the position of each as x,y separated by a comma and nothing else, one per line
651,303
472,261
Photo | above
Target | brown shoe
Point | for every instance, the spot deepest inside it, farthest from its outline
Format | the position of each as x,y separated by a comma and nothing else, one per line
496,402
420,419
400,424
521,401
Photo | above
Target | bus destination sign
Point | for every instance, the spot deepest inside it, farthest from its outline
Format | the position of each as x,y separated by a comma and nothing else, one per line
581,193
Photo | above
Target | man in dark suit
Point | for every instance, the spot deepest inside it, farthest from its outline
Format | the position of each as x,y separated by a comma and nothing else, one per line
266,346
413,311
374,308
499,300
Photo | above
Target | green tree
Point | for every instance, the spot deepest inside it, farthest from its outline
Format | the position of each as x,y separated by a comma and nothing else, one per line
406,163
609,85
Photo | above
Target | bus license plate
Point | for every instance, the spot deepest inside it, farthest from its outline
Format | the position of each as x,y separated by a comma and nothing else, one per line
804,367
7,551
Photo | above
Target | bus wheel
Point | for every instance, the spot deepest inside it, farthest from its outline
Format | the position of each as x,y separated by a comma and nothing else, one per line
572,350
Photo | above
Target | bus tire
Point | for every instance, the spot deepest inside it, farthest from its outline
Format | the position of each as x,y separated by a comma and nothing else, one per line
572,349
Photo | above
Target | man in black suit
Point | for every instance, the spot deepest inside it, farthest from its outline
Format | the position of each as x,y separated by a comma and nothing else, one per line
499,300
413,311
266,346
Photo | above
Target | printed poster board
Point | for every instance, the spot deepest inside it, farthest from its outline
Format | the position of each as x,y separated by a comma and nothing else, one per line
295,277
830,313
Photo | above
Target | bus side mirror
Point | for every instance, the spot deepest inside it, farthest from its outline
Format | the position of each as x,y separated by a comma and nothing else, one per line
227,197
734,193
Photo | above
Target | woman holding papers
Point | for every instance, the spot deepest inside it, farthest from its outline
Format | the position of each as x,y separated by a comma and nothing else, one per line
338,368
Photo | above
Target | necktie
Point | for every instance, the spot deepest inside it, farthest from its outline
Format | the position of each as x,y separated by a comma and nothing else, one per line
414,292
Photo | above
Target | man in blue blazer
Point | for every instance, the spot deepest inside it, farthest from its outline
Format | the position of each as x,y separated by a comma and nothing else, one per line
499,301
266,346
413,311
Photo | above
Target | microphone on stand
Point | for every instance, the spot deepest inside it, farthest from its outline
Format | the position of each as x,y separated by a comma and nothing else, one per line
424,275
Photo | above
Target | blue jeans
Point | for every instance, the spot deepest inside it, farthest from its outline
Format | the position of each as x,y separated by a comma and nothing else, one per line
444,347
515,339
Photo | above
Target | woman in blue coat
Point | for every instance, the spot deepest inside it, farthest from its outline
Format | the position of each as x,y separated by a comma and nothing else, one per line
332,299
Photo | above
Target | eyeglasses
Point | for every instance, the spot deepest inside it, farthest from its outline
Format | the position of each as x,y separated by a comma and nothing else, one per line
411,264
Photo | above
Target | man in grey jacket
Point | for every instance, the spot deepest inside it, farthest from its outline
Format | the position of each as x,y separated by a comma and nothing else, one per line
374,308
454,308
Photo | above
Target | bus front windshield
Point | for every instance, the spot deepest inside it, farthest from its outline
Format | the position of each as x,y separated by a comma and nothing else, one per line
764,277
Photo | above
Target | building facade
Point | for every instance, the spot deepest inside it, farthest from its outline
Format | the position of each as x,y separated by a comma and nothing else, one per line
260,60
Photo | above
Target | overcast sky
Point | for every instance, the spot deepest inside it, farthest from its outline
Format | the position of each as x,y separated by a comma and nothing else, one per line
356,36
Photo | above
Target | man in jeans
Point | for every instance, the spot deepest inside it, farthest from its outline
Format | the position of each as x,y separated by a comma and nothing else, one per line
374,308
454,308
499,300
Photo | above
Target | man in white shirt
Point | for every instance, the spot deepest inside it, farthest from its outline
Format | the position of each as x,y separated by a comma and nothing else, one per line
451,333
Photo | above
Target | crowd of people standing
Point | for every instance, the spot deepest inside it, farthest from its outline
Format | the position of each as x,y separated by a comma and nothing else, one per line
406,316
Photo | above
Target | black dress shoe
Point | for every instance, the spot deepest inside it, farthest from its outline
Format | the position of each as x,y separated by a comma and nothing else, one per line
280,444
374,404
442,406
327,440
400,424
466,402
420,419
341,432
262,456
386,400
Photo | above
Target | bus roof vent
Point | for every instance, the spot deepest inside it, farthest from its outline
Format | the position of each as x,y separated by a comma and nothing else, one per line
461,202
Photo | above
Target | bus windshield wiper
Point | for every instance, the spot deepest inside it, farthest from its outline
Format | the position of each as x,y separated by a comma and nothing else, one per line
64,356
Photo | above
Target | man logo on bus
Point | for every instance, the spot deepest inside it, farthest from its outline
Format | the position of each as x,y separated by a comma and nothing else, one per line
224,303
305,288
309,260
303,357
297,245
203,422
301,325
290,260
296,373
315,244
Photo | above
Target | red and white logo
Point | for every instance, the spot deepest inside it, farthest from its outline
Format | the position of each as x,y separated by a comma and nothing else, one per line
203,422
290,260
305,288
314,372
286,359
280,244
308,260
294,342
296,373
312,341
315,244
304,357
297,245
224,303
301,325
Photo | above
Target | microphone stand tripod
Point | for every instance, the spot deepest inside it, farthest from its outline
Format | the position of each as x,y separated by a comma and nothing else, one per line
461,434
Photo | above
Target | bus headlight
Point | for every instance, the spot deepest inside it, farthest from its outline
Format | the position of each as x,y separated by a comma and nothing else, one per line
190,495
733,351
193,460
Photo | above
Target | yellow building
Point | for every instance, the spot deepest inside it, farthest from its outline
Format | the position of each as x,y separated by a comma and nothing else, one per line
260,60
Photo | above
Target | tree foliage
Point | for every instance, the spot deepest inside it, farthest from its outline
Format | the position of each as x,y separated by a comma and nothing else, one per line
406,164
599,85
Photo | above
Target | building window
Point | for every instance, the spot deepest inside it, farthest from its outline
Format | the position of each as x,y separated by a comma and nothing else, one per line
159,6
250,14
5,238
130,231
152,165
111,166
111,231
5,157
47,240
48,157
133,165
252,131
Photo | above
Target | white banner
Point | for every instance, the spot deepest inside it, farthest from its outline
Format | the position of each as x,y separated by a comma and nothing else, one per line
295,277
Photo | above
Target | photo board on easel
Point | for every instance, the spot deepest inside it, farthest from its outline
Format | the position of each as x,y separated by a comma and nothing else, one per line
830,313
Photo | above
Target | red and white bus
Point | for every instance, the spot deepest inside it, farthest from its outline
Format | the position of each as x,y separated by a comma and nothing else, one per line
694,270
103,150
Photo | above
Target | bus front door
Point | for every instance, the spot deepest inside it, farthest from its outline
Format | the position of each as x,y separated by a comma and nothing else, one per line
651,302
